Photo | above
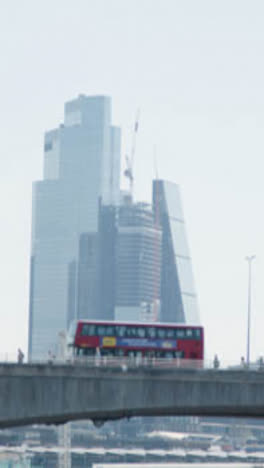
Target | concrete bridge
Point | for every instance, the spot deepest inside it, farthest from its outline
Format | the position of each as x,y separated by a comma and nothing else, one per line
55,394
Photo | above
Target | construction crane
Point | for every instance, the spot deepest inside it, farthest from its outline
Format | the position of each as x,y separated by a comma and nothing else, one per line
129,170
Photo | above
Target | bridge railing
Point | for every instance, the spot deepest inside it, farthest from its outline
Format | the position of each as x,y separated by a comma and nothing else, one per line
163,363
133,362
8,357
137,361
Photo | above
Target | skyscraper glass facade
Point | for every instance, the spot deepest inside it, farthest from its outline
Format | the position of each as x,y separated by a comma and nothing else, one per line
81,171
138,260
178,296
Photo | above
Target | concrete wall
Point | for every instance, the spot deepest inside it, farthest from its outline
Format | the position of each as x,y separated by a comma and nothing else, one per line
56,394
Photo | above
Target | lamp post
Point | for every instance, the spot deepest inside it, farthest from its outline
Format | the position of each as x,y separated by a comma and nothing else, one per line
249,260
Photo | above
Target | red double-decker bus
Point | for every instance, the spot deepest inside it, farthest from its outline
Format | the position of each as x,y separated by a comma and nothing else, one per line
159,340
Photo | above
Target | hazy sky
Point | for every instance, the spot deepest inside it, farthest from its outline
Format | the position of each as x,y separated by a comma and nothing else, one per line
196,70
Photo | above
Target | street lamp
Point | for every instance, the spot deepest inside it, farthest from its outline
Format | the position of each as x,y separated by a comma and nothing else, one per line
249,260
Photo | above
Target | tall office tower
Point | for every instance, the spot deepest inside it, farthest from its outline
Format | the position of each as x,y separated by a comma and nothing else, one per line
178,297
81,172
122,280
138,257
96,268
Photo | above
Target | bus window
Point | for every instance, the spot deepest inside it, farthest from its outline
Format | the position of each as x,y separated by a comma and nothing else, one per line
161,333
151,332
180,333
197,333
131,332
120,331
88,330
170,333
150,354
189,333
138,353
141,332
84,330
179,354
107,352
110,330
119,352
168,354
86,352
101,330
92,330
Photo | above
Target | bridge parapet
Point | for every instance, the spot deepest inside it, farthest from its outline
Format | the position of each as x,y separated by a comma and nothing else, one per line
55,393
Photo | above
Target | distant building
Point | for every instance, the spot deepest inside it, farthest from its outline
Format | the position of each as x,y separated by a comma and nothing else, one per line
123,281
96,279
138,261
178,297
81,172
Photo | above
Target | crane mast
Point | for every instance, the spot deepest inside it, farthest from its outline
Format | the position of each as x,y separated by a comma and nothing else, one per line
129,170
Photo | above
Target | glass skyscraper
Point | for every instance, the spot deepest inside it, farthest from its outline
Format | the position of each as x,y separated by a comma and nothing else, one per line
119,268
81,173
138,262
178,297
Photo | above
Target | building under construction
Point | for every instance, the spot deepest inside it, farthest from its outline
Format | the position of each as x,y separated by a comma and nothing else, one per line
138,262
119,268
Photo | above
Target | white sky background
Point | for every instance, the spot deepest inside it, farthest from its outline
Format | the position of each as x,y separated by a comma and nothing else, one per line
196,70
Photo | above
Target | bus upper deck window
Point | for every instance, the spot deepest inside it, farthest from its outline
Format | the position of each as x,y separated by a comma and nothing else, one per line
180,333
88,330
161,332
101,330
170,333
110,330
120,331
197,333
189,333
131,332
141,332
91,330
85,330
151,332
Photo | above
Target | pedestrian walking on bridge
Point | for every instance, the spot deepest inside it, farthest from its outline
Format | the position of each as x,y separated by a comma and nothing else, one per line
20,356
216,362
